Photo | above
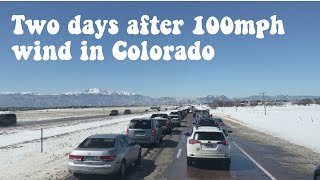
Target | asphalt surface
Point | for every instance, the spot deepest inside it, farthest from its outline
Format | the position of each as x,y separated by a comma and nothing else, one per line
249,160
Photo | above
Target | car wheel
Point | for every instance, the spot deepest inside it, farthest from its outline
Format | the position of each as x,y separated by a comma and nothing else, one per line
123,169
138,161
226,164
155,143
189,162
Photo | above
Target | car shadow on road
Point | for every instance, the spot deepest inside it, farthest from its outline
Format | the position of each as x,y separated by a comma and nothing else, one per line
238,163
209,165
145,169
133,172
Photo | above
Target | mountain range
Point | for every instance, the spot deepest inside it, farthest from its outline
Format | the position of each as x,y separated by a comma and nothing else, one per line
100,97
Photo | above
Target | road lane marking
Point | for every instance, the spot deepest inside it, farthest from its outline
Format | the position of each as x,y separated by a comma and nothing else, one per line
255,162
179,153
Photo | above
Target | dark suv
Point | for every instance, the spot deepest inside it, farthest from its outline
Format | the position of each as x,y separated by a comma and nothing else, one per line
114,113
127,111
7,119
145,131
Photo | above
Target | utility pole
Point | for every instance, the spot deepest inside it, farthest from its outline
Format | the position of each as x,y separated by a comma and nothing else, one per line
264,103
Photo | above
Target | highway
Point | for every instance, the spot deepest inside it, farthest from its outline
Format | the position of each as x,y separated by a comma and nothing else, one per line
252,158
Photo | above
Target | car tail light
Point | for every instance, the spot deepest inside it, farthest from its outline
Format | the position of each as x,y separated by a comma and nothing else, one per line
75,158
226,142
221,124
192,141
127,131
108,158
167,123
153,132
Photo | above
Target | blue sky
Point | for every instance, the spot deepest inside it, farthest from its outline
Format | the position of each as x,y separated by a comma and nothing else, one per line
243,65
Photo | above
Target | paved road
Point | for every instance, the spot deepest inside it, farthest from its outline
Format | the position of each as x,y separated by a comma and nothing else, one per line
249,160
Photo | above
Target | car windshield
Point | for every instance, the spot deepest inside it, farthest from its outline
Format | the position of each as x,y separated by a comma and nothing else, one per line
214,136
206,122
159,115
174,116
97,143
140,124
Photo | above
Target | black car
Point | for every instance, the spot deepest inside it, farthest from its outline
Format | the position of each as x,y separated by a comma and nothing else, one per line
8,119
127,111
114,113
316,175
206,122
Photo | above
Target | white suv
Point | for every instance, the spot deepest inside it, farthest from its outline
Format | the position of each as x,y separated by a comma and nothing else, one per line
208,143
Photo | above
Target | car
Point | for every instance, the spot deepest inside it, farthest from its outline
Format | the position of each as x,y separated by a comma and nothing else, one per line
145,131
208,143
114,113
175,120
166,124
127,111
176,113
104,154
161,115
201,113
220,122
206,122
156,108
316,175
8,119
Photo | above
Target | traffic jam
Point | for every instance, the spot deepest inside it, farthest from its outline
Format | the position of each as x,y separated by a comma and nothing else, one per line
112,154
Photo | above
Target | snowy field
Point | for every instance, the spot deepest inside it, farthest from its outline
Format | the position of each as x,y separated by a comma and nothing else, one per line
38,115
20,150
297,124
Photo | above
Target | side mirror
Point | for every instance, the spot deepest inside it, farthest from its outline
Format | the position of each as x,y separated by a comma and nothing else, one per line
187,134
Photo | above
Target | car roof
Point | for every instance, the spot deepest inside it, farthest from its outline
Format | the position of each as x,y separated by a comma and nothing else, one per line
112,136
159,118
207,129
141,119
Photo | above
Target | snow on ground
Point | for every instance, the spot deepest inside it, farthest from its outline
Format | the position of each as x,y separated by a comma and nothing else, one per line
38,115
297,124
20,156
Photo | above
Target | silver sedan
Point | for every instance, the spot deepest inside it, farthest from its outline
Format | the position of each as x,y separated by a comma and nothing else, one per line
104,154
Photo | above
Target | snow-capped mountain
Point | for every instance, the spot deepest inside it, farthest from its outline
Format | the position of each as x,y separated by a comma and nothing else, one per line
97,91
100,97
